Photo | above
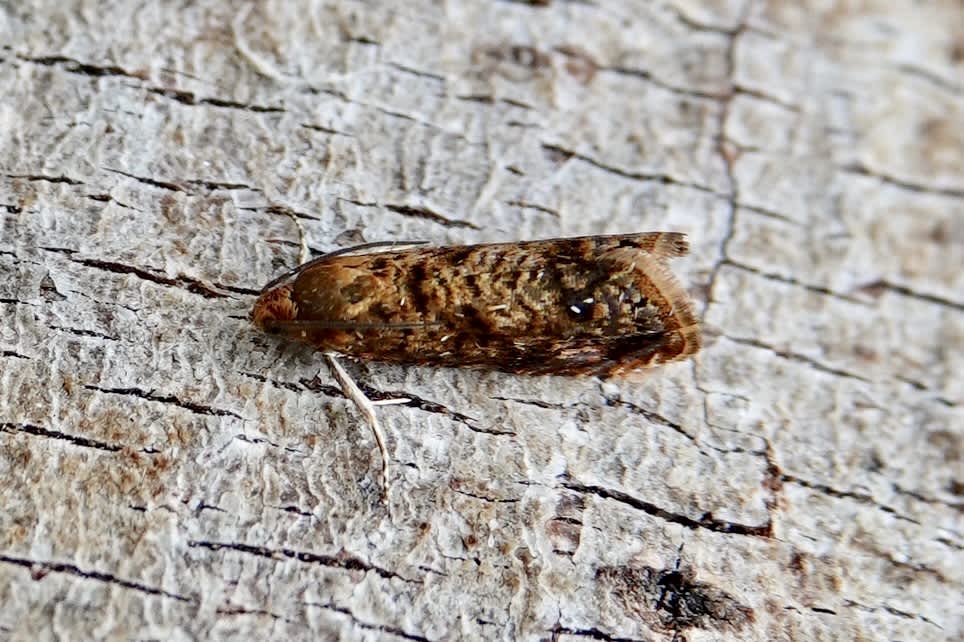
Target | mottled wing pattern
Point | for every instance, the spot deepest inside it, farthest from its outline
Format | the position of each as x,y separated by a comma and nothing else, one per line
600,305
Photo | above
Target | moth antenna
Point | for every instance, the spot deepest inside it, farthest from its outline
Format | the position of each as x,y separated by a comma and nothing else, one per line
317,324
345,250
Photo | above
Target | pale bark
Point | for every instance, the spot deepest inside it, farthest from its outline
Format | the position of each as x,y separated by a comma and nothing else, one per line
166,472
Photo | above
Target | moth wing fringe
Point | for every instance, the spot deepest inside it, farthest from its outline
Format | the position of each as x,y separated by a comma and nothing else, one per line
672,291
669,245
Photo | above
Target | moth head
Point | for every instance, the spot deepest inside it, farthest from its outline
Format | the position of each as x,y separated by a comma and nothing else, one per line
273,306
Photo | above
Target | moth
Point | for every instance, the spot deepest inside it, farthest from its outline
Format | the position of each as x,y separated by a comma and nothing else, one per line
591,305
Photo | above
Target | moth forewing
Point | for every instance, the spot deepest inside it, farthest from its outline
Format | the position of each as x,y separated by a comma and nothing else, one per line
597,305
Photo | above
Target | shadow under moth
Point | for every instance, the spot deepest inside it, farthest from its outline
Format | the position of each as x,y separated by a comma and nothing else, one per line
592,305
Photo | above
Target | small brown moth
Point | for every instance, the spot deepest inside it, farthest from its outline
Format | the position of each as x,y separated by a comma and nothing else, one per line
592,305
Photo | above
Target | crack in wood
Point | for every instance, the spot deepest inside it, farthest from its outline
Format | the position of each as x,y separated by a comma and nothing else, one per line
706,521
342,560
381,628
149,395
182,282
38,569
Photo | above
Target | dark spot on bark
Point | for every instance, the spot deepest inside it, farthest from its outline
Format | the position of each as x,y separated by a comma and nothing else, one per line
956,487
671,599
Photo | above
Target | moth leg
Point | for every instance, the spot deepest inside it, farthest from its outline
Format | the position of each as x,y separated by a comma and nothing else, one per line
303,252
365,405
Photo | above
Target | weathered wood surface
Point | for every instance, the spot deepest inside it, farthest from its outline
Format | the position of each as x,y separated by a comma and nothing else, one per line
168,473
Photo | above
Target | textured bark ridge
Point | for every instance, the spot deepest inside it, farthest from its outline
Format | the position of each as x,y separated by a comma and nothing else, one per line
168,471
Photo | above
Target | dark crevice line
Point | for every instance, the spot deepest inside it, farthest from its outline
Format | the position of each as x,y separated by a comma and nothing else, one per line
923,387
830,491
416,72
958,506
80,332
185,185
905,184
237,290
74,66
410,401
881,284
182,282
693,25
46,179
534,206
14,355
16,302
871,288
799,358
727,156
284,385
483,498
675,89
538,403
707,521
283,210
191,99
768,213
38,569
839,372
38,431
294,510
342,561
613,402
215,186
765,97
816,289
167,185
59,250
892,610
429,215
932,78
260,440
325,130
512,102
191,406
425,405
649,415
663,179
591,633
381,628
240,610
